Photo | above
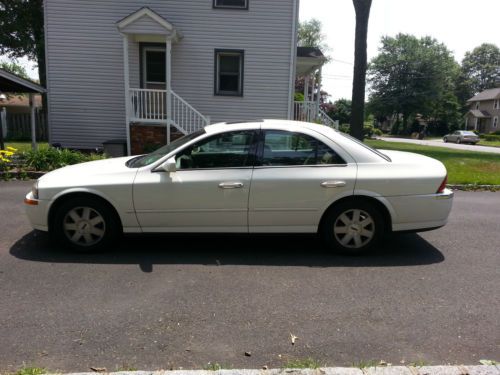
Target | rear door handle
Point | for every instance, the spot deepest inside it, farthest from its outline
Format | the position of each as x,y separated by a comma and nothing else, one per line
231,185
333,184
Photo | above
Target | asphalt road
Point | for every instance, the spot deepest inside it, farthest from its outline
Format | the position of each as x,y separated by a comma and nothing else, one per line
440,143
182,301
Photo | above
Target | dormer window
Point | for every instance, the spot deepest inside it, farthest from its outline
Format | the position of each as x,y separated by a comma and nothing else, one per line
231,4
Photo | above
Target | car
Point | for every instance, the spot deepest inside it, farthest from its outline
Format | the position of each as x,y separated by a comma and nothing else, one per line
269,176
462,136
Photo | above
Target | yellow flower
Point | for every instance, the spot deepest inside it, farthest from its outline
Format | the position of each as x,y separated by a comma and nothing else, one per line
11,149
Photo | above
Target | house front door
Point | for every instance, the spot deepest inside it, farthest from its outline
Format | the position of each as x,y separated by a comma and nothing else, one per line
153,64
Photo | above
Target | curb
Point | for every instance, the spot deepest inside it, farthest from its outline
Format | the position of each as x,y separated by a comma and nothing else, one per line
385,370
472,187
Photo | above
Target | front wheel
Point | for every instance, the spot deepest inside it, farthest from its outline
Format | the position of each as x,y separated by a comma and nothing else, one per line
85,225
352,227
445,140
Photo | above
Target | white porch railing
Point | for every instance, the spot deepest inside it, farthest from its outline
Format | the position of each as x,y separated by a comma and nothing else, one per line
150,107
309,111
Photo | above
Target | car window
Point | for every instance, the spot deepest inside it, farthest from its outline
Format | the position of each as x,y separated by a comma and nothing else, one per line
282,148
226,150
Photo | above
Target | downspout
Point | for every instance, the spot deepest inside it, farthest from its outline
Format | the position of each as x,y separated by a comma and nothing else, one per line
47,80
293,58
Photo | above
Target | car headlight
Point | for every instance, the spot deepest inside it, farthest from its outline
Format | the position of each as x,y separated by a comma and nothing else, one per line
34,190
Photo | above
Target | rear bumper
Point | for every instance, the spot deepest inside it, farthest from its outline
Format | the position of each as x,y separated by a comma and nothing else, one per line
420,212
36,210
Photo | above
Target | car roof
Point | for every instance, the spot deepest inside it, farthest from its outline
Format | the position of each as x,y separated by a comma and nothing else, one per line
257,124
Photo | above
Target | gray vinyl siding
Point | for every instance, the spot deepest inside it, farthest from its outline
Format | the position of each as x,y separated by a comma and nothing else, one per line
85,62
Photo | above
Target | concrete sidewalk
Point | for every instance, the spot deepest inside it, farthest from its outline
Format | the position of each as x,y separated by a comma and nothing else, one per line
381,370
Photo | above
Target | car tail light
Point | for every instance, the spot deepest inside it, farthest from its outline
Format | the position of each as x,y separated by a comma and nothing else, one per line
443,185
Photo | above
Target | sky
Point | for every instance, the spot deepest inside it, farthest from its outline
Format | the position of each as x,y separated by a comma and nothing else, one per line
461,25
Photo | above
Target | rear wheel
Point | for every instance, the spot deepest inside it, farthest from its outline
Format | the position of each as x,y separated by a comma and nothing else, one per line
85,225
352,227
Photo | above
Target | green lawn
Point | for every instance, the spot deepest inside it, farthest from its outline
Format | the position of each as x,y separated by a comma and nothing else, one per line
482,142
464,167
25,146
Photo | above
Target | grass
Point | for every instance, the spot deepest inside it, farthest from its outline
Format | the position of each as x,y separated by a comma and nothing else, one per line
482,142
30,371
25,146
303,363
216,366
464,167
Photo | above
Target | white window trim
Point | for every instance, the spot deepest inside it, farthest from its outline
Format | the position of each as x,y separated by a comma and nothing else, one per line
144,65
477,105
495,122
241,55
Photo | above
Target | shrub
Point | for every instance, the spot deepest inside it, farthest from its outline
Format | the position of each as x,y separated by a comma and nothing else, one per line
53,158
491,137
298,97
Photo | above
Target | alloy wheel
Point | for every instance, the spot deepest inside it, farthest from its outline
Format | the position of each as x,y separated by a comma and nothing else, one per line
354,228
84,226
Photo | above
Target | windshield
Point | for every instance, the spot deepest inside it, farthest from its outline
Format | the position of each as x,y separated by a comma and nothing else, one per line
143,160
377,152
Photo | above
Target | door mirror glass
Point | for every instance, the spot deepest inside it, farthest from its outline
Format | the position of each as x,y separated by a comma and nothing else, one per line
169,166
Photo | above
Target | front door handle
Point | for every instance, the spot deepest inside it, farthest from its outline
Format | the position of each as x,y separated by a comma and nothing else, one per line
231,185
333,184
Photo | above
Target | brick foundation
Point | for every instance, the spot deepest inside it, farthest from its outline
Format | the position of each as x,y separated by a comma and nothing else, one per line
146,138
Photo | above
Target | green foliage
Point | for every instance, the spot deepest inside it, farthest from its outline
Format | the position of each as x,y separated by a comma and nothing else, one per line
298,97
491,137
52,158
464,167
413,76
481,68
368,129
310,35
215,366
21,31
307,363
341,111
14,68
31,371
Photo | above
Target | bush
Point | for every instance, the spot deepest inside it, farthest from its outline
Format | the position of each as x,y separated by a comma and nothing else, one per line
53,158
298,97
491,137
496,133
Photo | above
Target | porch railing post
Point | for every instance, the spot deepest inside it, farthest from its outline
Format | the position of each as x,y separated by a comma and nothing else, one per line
126,80
168,57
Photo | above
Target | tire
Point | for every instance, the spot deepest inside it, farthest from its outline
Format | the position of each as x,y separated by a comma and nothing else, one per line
445,140
458,141
85,224
342,232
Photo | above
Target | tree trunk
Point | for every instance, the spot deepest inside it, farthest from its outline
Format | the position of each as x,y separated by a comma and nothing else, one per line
362,8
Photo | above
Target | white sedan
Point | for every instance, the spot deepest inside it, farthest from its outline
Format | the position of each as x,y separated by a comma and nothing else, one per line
267,176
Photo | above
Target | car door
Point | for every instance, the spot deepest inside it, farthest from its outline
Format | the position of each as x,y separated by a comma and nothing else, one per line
296,178
208,192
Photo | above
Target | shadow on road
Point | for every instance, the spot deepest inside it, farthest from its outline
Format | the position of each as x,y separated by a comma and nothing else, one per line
215,250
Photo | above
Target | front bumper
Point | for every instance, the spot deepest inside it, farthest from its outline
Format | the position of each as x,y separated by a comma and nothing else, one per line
417,212
36,210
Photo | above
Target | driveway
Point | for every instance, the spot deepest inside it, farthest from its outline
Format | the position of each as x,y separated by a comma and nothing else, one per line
161,302
440,143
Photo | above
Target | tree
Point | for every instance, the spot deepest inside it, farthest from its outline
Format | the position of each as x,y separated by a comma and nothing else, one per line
362,9
340,111
21,32
310,35
413,76
481,68
14,68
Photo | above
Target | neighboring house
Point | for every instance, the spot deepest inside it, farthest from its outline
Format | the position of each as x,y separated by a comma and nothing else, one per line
127,69
484,111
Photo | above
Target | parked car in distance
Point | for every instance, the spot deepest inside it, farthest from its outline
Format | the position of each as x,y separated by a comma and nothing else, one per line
250,177
462,136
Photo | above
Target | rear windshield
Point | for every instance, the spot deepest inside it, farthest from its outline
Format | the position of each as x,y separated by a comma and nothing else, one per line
468,133
143,160
377,152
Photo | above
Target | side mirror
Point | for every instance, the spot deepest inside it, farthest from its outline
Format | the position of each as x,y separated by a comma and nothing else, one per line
169,166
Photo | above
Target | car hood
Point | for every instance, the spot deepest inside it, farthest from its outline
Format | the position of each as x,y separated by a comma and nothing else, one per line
90,173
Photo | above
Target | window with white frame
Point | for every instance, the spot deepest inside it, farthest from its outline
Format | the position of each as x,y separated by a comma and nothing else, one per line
495,121
231,4
228,72
477,105
496,104
153,67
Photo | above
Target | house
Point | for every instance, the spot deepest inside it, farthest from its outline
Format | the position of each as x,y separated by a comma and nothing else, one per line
484,111
145,72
